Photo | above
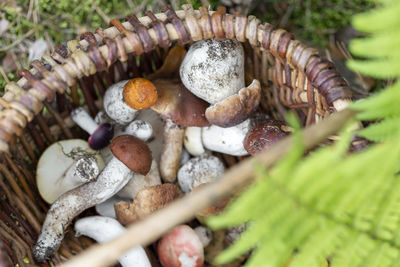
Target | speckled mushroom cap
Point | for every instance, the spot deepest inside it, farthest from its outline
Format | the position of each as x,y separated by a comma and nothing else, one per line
213,69
177,103
133,152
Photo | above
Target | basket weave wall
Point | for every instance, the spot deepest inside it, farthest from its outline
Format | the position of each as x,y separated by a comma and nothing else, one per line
35,110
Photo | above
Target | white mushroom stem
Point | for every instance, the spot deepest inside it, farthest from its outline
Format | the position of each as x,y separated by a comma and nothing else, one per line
193,142
104,229
138,128
172,149
82,118
138,182
114,176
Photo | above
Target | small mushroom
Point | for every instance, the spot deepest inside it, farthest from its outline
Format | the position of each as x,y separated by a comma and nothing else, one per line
205,235
138,182
147,201
131,155
104,229
227,140
140,93
114,105
264,135
65,165
138,128
213,70
179,108
203,169
100,135
181,247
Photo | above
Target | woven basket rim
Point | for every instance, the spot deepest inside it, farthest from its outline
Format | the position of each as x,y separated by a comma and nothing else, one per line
188,21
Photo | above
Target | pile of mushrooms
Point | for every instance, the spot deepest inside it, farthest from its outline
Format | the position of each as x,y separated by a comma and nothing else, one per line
155,140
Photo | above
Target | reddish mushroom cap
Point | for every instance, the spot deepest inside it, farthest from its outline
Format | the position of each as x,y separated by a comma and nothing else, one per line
181,247
133,152
177,103
265,135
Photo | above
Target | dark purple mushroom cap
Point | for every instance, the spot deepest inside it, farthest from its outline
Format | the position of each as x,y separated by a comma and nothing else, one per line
264,135
101,137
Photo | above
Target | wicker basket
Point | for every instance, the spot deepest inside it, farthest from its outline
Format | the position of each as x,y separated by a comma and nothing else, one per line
35,110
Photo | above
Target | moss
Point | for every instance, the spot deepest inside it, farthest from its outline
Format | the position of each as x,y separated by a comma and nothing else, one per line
311,20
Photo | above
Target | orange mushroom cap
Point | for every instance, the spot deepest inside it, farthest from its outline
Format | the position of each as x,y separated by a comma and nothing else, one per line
140,93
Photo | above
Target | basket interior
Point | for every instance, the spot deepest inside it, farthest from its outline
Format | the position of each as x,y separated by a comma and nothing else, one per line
293,76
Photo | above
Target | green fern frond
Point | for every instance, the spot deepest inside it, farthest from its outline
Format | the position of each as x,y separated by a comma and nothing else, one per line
325,230
331,204
381,131
378,20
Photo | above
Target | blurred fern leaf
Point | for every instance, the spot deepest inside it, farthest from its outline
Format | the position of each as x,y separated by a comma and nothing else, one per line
331,204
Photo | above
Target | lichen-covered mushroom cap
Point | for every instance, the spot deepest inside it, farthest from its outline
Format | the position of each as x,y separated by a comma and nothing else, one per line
213,69
133,152
54,164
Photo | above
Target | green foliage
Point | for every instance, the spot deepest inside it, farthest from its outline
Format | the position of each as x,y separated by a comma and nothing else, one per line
312,20
331,204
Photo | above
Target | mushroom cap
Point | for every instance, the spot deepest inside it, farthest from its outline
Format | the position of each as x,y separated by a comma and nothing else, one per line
236,108
199,170
54,164
177,103
133,152
139,93
115,106
147,201
181,247
101,137
264,135
213,69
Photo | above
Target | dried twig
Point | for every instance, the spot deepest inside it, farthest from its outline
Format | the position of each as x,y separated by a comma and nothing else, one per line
182,210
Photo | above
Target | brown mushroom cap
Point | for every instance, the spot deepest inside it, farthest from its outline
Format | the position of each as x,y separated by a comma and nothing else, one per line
147,201
133,152
139,93
236,108
177,103
265,135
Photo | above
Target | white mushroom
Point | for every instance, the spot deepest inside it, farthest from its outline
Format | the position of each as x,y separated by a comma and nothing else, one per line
65,165
227,140
138,182
199,170
138,128
131,156
100,135
205,235
213,69
115,106
104,229
192,141
185,156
